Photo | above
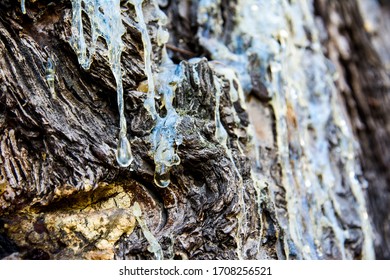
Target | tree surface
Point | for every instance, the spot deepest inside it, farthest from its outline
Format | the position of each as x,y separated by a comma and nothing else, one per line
267,137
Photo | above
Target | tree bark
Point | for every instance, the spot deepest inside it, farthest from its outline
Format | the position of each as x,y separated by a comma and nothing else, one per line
286,182
358,44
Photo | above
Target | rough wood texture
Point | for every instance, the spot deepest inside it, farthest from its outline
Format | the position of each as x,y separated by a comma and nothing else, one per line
358,43
63,195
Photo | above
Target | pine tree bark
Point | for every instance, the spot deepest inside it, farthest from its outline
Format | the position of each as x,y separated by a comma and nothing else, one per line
358,44
63,195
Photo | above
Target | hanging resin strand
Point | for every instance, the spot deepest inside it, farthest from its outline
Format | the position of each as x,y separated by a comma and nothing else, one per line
106,22
163,136
149,102
23,7
124,156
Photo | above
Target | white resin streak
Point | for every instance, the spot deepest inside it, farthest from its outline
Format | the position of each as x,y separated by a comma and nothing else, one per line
154,247
300,83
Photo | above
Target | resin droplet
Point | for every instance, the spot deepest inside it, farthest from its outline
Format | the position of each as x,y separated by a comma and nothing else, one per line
123,152
162,176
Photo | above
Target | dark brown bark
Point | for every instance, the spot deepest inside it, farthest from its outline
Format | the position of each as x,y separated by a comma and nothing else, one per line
63,196
58,155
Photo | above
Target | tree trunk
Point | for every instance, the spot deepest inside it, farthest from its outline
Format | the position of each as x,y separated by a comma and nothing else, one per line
262,101
359,45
